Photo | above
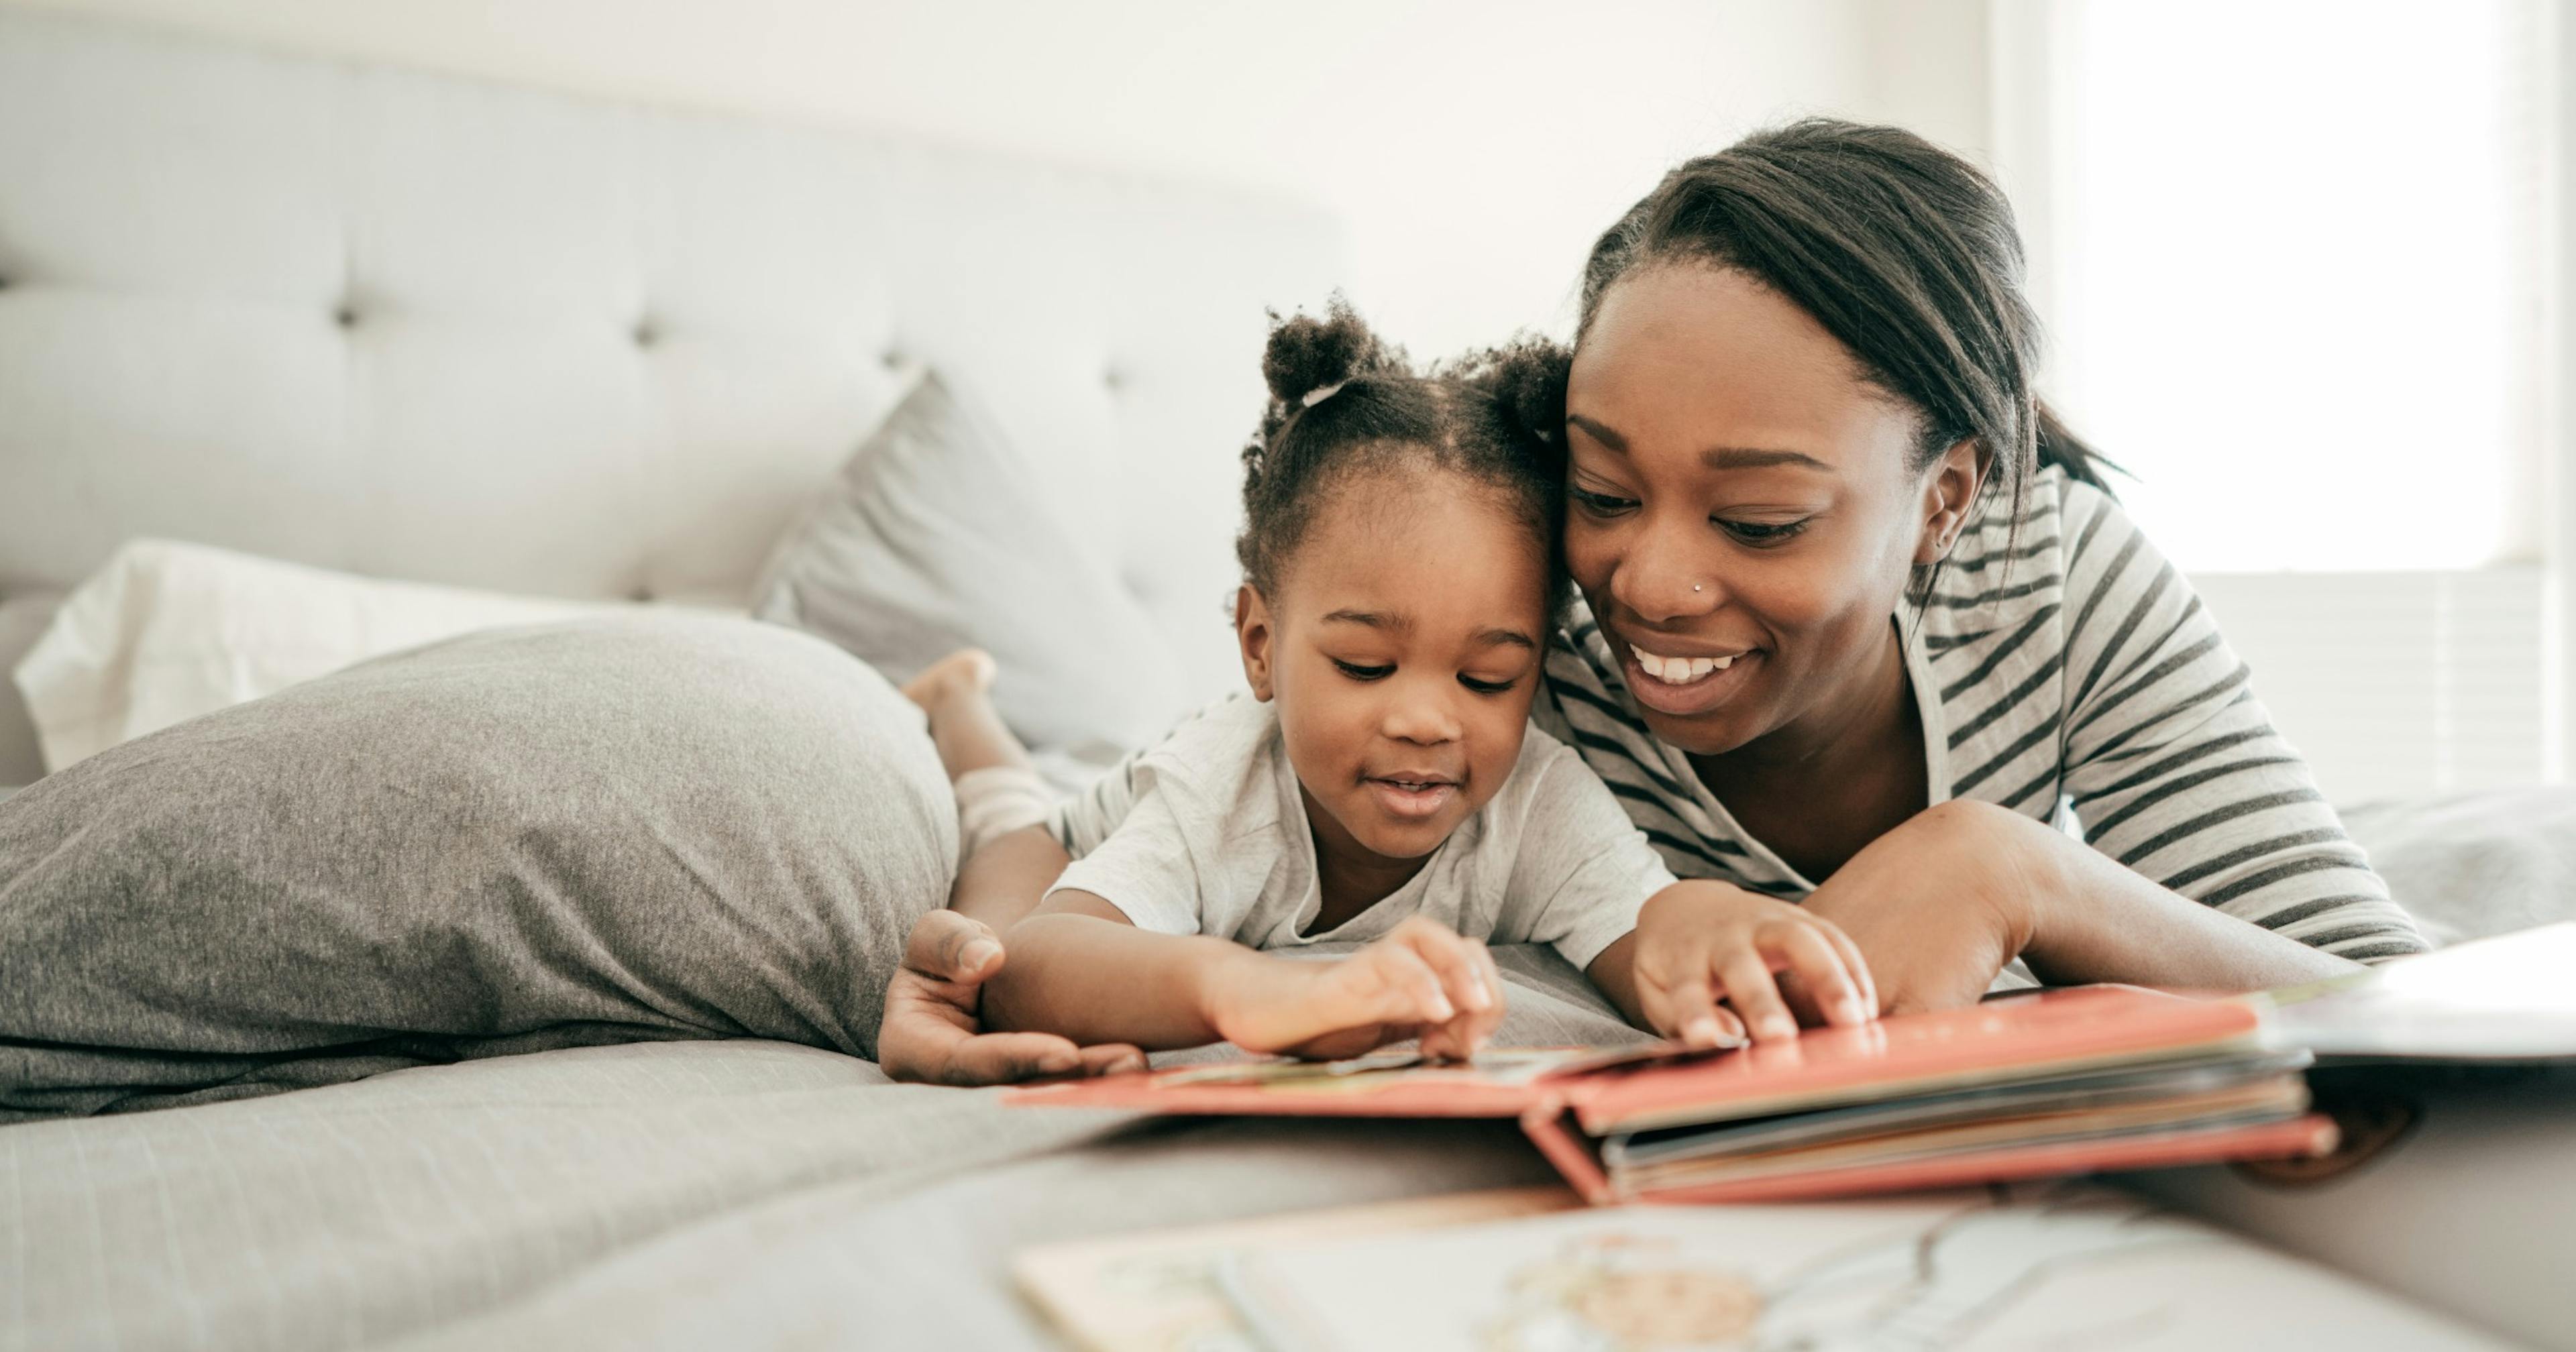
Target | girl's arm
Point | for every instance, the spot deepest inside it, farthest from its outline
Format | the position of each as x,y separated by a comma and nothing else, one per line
1079,969
1003,882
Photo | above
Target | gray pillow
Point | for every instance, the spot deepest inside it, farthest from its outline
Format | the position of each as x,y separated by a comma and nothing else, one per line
2471,865
934,536
606,830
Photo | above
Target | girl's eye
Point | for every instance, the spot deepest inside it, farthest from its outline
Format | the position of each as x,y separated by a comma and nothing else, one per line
1488,687
1599,504
1360,673
1760,533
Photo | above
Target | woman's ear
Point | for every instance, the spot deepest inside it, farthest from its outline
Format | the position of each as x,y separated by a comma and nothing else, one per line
1254,632
1950,496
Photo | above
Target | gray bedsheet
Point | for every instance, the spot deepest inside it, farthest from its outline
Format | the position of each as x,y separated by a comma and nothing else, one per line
721,1193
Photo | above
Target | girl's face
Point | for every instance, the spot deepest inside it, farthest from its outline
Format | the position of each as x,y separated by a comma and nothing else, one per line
1741,514
1403,650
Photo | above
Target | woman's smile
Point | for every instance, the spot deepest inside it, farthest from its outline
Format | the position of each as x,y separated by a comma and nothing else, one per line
1670,683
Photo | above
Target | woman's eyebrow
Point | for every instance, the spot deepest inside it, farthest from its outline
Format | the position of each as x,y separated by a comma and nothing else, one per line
1747,457
1716,457
1599,432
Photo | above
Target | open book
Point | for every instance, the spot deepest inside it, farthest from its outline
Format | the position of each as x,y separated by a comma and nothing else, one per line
2054,1082
2504,1000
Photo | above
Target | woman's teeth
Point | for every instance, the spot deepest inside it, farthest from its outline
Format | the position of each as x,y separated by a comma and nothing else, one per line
1679,670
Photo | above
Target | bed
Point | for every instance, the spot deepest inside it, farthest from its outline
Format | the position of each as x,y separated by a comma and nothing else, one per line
417,328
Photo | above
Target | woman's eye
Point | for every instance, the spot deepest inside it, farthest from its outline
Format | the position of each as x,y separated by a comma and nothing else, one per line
1360,673
1488,687
1599,504
1762,532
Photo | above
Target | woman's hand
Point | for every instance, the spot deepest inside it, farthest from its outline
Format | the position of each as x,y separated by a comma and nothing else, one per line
1701,942
1421,980
1942,903
930,1031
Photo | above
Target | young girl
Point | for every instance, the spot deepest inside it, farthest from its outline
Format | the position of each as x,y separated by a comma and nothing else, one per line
1381,783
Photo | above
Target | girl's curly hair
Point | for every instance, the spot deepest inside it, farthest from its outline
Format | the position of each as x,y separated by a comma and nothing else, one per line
1344,402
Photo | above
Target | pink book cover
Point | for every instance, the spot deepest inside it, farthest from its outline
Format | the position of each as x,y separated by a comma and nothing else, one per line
1566,1097
2003,1038
1573,1155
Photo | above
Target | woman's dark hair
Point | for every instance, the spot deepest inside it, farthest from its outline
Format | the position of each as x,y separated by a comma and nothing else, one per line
1900,249
1344,403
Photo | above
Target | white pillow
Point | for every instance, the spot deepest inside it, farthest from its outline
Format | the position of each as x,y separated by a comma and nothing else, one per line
167,631
23,618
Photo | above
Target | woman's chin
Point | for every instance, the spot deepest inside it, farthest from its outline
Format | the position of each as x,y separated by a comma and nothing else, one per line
1714,733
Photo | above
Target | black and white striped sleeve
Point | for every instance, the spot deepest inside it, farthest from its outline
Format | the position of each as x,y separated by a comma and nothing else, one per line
2174,768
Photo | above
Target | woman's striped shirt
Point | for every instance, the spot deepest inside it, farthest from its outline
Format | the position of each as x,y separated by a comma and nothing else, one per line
2065,665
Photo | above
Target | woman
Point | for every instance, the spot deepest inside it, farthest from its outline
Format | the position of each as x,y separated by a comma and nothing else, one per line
1858,616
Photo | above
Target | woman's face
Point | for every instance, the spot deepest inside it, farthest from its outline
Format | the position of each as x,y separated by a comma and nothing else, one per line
1741,514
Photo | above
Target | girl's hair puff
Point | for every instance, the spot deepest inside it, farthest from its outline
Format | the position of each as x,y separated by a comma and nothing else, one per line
1344,403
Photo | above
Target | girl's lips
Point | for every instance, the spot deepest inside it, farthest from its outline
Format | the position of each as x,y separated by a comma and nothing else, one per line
1690,697
1412,801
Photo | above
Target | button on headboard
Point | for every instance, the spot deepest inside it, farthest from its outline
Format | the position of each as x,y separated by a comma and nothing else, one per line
427,328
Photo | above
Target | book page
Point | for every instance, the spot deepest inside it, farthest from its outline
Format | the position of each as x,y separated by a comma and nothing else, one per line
2046,1267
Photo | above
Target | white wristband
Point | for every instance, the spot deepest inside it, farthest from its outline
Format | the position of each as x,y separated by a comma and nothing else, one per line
995,801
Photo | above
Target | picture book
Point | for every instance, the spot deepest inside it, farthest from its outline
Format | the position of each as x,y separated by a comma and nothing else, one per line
2052,1082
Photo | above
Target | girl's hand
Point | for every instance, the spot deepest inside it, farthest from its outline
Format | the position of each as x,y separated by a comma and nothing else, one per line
1421,980
1940,904
1699,942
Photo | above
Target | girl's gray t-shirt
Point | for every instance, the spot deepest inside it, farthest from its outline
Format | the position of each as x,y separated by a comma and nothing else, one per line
1206,833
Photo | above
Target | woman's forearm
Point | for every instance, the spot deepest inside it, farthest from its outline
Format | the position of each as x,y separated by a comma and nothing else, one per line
1095,980
2095,920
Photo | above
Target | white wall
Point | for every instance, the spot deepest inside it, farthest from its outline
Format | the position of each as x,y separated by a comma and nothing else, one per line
1473,150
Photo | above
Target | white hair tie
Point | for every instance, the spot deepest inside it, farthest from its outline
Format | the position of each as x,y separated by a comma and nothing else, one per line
1317,396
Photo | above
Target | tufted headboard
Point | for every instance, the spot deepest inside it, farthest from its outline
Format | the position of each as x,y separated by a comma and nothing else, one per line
427,328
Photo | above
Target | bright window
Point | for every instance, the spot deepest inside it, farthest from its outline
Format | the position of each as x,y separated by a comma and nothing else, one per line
2292,262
